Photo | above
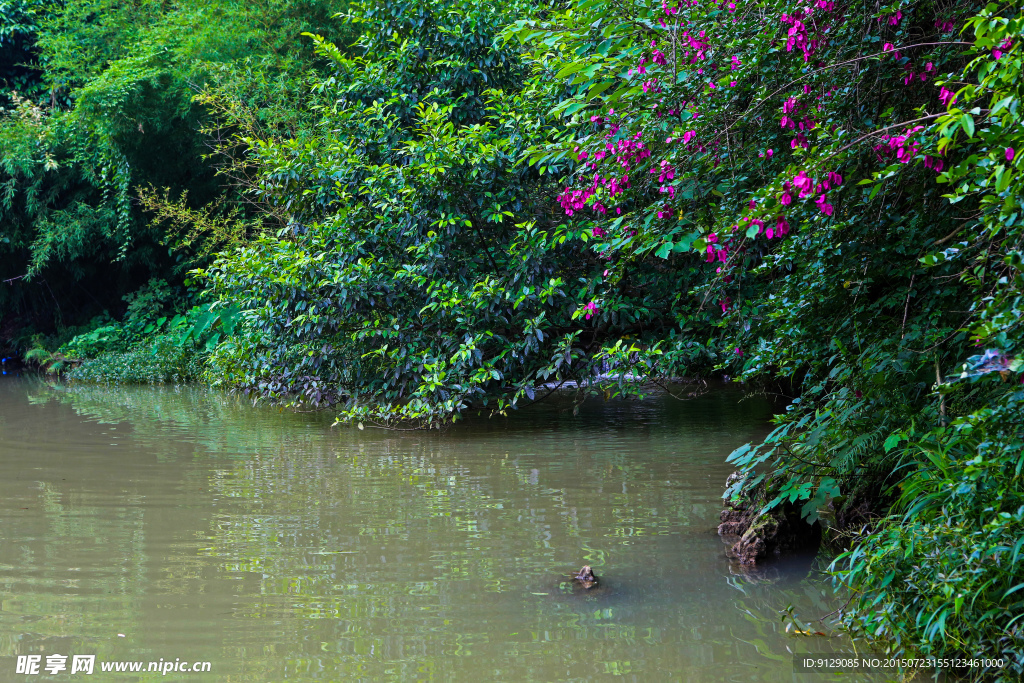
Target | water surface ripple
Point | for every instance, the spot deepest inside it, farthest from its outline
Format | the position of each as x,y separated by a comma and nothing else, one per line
281,549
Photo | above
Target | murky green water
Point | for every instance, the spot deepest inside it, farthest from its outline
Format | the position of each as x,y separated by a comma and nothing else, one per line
141,523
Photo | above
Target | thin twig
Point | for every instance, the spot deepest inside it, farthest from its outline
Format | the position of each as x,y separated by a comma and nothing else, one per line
906,306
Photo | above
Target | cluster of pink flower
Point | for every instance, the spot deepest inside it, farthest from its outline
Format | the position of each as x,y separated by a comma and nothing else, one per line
947,97
889,47
933,163
657,56
892,20
780,229
909,68
791,106
808,188
666,172
671,10
591,309
626,152
797,36
944,25
574,200
716,251
800,23
997,53
698,44
903,146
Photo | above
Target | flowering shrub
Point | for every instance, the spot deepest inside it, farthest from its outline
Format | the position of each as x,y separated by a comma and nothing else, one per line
802,152
818,197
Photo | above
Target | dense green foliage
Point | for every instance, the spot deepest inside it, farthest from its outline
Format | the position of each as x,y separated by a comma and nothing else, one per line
809,160
463,207
100,105
416,278
737,191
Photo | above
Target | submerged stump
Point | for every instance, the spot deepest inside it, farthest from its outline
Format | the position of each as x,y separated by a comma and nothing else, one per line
585,579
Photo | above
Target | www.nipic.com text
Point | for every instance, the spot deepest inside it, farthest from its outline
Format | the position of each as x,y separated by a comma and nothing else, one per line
86,664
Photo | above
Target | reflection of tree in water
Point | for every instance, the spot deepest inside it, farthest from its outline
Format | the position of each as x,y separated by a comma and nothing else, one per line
792,610
372,554
54,593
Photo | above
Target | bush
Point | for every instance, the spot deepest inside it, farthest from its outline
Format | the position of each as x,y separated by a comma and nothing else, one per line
161,360
944,578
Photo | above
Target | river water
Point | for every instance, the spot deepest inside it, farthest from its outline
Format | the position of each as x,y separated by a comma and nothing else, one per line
141,524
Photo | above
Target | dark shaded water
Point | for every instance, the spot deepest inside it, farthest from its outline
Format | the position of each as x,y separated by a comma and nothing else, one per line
148,523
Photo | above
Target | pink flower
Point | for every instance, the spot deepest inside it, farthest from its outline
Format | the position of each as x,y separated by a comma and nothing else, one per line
947,97
933,163
712,238
786,199
769,153
804,183
1010,153
823,204
739,352
591,309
